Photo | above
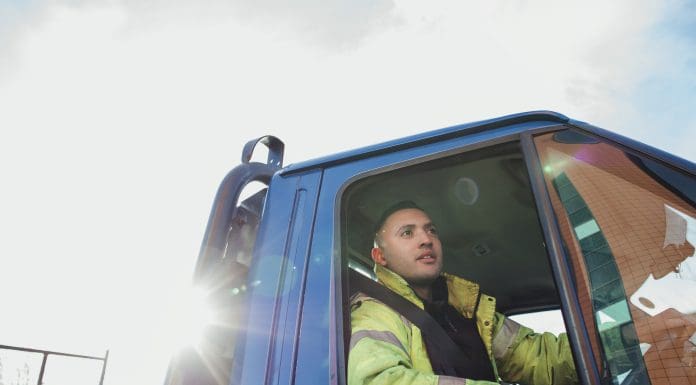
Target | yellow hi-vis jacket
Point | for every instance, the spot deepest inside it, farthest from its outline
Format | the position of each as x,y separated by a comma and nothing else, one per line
387,349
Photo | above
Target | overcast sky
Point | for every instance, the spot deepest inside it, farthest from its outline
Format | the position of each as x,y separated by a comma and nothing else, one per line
120,117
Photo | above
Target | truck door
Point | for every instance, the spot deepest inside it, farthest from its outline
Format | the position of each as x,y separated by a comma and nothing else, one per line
546,214
475,184
627,218
502,197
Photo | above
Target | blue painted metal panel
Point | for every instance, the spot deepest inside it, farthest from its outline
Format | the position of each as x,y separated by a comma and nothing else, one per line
252,354
274,285
293,282
295,321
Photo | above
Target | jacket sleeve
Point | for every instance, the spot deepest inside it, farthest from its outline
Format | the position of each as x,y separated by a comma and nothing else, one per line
530,358
379,350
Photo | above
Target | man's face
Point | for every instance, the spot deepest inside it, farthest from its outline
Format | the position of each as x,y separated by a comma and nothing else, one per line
409,246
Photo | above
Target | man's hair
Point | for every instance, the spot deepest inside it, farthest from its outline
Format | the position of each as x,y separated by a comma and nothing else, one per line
401,205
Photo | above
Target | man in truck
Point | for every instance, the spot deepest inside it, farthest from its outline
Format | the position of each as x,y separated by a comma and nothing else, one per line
388,349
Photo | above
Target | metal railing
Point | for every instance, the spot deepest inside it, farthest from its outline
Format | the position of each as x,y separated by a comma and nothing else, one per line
46,353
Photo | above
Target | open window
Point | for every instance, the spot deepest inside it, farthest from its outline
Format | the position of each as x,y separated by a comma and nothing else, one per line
482,204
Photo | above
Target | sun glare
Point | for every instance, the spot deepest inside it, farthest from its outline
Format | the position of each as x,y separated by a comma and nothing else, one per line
191,314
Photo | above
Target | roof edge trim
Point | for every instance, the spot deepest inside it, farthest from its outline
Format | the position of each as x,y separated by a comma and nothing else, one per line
426,138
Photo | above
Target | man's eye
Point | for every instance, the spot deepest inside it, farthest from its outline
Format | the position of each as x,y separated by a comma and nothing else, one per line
432,230
406,233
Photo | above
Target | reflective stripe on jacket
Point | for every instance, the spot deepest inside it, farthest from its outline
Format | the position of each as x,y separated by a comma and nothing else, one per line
387,349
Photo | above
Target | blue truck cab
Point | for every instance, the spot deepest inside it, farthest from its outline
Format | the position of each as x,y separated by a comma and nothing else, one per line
543,211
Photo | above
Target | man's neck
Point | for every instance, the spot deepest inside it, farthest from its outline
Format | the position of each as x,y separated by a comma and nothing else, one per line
424,292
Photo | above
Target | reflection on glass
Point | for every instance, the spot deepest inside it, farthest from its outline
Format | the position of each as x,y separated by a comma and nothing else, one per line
620,348
629,227
612,316
657,295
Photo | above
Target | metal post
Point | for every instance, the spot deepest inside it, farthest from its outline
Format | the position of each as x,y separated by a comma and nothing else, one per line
106,358
39,381
45,358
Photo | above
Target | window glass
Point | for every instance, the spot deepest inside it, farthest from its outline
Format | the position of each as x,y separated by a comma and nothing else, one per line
629,226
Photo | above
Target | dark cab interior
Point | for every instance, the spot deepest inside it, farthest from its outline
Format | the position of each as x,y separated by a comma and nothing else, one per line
483,207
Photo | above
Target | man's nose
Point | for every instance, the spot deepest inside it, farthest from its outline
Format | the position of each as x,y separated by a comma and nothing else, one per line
425,239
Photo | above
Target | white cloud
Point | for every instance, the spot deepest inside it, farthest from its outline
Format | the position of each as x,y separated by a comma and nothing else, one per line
119,118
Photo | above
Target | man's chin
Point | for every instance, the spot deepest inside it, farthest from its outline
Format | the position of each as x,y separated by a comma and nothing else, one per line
423,281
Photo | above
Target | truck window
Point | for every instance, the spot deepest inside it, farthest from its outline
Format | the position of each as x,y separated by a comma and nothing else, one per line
629,226
484,210
542,321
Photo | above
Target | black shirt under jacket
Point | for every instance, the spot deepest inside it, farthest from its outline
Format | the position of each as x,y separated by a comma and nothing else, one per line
475,364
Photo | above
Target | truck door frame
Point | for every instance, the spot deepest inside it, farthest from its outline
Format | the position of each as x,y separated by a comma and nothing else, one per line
328,243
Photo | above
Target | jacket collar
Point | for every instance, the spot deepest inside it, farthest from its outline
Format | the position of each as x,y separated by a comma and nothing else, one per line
396,284
462,293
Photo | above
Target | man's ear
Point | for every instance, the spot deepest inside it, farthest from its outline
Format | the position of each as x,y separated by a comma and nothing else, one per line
378,256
